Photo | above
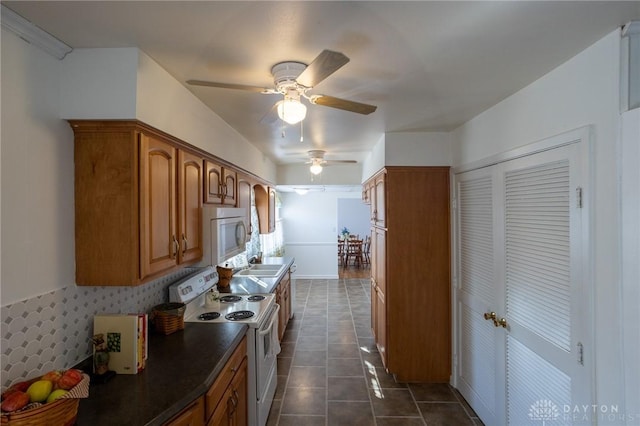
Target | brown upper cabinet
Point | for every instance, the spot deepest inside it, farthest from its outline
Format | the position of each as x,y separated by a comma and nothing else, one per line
138,199
245,184
265,197
190,204
377,194
219,184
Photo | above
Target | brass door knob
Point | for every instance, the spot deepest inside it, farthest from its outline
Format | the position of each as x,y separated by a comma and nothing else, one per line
490,316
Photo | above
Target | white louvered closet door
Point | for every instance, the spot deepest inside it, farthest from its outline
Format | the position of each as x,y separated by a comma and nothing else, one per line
544,307
477,293
522,253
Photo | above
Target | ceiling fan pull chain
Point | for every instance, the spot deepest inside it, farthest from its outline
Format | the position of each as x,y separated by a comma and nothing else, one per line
302,131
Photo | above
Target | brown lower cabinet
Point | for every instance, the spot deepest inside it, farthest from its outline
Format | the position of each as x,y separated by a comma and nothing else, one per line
283,298
193,415
226,401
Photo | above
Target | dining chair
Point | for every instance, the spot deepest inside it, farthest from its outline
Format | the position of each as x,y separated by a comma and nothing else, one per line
341,251
366,250
354,252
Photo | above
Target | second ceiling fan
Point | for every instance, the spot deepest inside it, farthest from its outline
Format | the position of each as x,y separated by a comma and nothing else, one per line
293,80
317,161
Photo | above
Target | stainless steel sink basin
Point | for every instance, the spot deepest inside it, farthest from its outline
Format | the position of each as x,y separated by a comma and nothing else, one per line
260,270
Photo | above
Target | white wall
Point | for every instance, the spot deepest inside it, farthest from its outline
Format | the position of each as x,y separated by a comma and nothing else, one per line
409,149
583,91
354,215
375,161
310,231
418,149
37,175
337,174
99,84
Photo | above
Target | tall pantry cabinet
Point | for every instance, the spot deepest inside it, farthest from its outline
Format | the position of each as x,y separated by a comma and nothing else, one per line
410,271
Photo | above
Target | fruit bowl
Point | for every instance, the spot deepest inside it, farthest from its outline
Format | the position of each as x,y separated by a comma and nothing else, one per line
61,412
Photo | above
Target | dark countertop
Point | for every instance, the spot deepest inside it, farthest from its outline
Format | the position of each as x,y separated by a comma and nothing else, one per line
261,285
181,367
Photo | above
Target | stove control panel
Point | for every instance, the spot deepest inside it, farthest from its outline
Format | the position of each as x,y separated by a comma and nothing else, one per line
193,285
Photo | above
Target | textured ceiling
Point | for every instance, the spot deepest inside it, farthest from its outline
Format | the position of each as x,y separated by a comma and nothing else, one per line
428,66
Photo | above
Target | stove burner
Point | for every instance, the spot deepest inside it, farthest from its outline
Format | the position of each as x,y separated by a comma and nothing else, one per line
208,316
255,298
230,299
239,315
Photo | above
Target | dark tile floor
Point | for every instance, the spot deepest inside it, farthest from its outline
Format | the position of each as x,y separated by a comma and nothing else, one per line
330,373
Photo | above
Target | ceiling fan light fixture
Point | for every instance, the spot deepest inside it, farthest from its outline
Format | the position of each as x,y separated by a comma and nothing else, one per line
315,168
291,111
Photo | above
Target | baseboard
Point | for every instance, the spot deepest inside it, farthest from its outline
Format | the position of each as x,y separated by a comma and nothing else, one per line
315,277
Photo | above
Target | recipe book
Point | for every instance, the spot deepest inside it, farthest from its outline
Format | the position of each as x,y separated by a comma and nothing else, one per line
126,337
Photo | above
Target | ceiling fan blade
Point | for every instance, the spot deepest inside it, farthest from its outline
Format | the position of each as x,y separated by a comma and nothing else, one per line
231,86
271,116
343,104
325,64
328,162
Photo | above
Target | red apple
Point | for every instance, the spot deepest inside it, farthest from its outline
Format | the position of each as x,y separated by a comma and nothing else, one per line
69,379
53,376
20,386
15,401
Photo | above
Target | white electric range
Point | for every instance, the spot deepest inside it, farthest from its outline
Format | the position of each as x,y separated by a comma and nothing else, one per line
258,311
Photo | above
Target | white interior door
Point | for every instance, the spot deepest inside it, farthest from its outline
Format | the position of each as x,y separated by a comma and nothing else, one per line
477,293
522,253
545,307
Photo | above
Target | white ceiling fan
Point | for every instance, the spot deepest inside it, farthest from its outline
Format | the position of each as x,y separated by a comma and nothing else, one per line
317,161
293,80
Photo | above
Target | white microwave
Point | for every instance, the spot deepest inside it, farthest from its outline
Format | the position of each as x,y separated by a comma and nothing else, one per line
224,233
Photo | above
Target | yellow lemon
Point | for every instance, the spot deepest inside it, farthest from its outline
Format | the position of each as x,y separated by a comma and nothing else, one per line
39,391
55,395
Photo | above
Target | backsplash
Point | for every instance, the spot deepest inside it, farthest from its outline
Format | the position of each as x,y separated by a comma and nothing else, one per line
52,331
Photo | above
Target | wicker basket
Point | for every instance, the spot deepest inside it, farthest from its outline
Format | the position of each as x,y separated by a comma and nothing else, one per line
61,412
168,317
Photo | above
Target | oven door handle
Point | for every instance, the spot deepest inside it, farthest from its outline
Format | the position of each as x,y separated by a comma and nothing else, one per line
274,316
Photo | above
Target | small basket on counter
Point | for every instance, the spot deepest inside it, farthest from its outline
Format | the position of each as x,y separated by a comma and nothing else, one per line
168,317
61,412
224,276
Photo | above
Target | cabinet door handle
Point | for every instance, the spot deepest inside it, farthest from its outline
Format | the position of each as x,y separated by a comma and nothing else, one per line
176,246
184,240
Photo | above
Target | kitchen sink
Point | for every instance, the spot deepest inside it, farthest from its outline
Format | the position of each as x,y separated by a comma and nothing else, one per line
260,270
